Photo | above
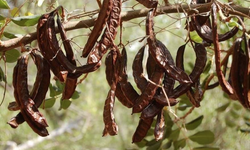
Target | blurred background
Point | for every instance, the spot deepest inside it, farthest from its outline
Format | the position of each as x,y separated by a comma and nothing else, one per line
80,125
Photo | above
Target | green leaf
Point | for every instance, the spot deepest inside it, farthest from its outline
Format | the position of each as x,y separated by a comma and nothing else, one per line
203,137
60,85
54,91
142,143
207,67
179,144
247,123
234,114
168,120
26,20
2,17
4,4
76,95
206,148
245,130
9,35
195,37
65,104
11,55
167,145
223,107
154,145
175,134
237,106
230,122
194,124
234,24
184,103
48,103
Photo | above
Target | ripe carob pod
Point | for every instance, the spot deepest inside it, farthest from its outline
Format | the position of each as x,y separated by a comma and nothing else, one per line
43,78
226,87
142,129
129,93
137,68
159,126
158,55
246,86
148,3
206,33
58,53
235,71
111,127
200,63
100,22
28,109
148,93
108,37
45,49
70,84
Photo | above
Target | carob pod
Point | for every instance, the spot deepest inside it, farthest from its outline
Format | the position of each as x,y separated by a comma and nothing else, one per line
235,71
108,37
200,63
29,111
124,90
158,55
226,87
100,22
111,127
159,126
46,51
41,89
70,84
58,53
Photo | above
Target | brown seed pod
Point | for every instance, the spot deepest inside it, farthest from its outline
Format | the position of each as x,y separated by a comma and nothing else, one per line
48,54
159,126
142,129
100,22
29,112
111,127
59,55
159,56
108,37
200,62
70,84
226,87
139,79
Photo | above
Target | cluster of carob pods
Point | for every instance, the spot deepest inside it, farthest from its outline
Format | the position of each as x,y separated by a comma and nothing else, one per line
157,89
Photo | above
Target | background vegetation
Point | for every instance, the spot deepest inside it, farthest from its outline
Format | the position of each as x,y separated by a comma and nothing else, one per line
220,122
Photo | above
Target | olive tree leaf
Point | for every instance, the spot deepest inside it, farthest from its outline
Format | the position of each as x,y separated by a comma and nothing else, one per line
11,55
194,124
203,137
26,20
4,4
48,103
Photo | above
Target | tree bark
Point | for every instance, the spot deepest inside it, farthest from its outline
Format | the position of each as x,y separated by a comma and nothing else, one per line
129,15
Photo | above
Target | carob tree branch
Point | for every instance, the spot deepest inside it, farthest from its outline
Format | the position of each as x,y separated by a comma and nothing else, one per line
126,16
